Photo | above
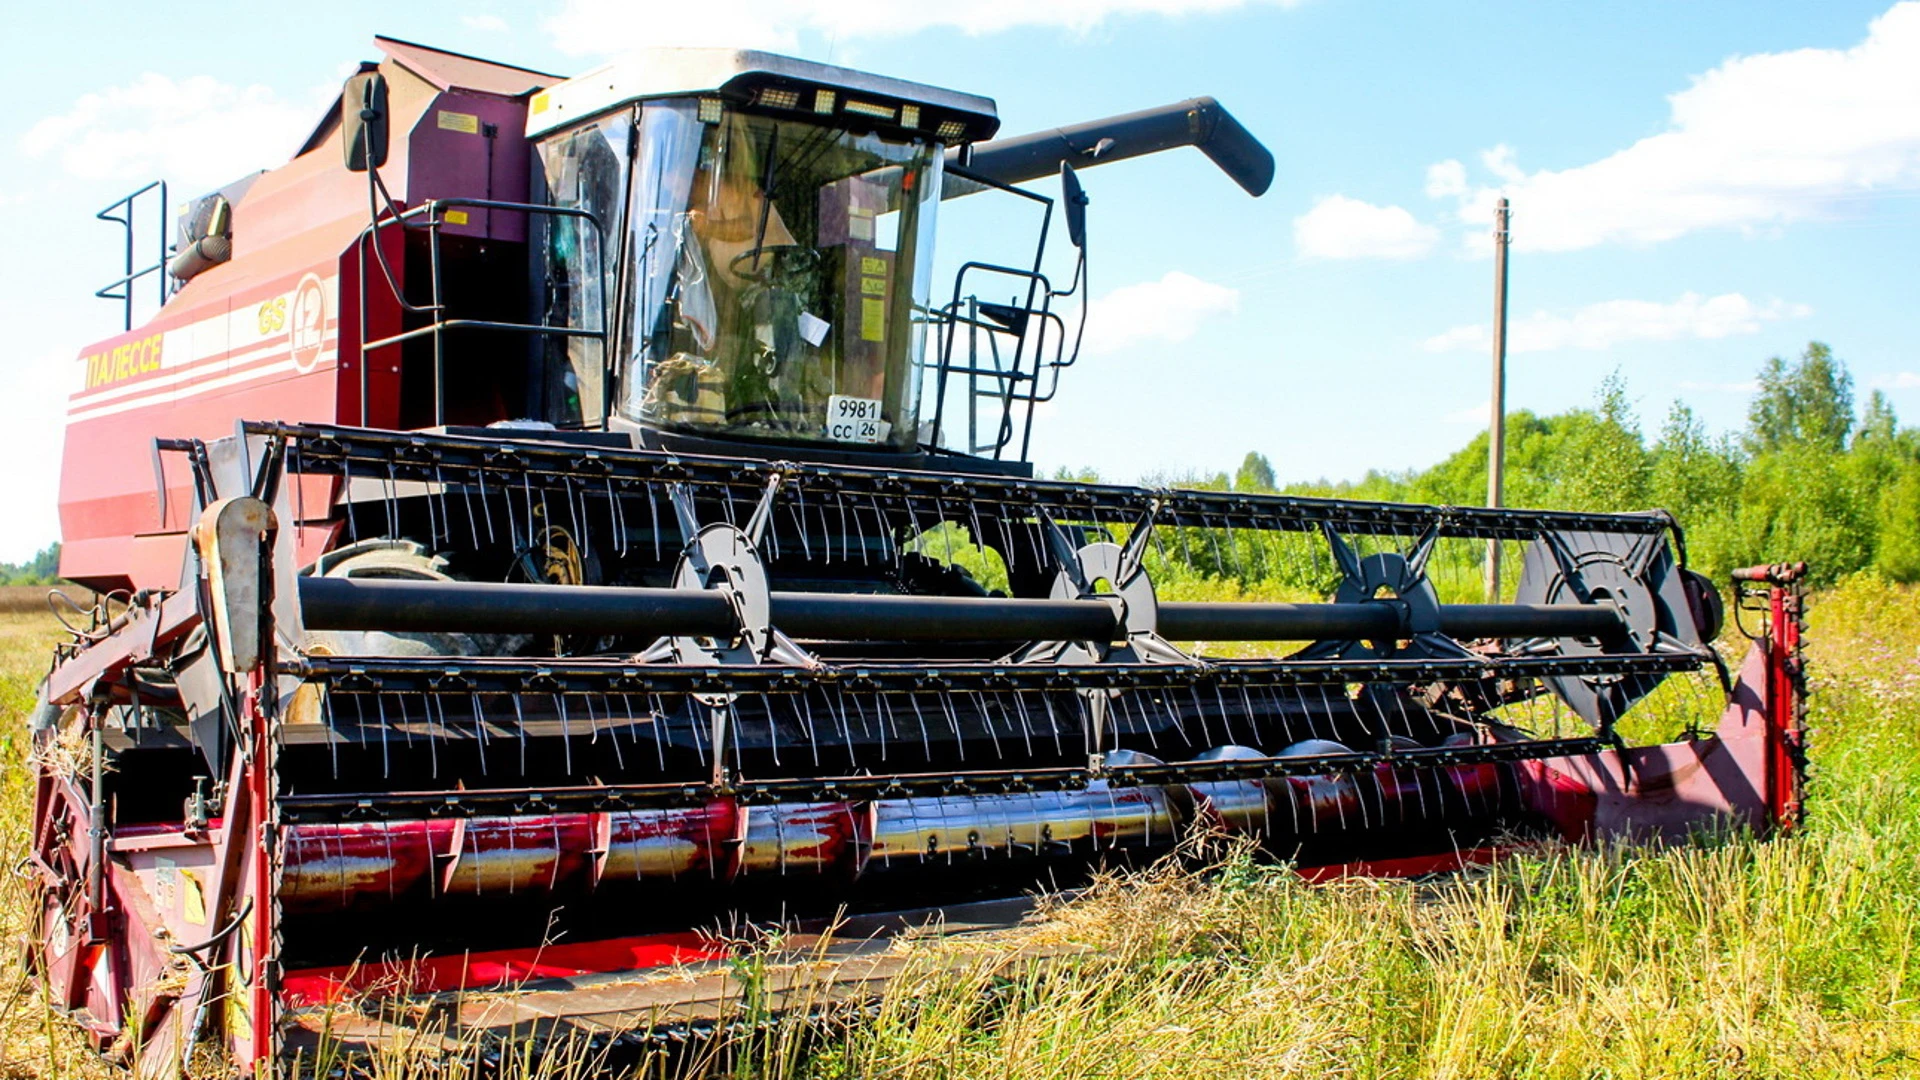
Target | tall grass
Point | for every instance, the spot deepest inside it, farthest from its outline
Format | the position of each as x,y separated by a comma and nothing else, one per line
1725,959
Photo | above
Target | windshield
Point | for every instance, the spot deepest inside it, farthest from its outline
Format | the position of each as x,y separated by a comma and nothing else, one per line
772,275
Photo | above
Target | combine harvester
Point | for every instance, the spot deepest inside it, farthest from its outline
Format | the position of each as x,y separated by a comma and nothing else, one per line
535,554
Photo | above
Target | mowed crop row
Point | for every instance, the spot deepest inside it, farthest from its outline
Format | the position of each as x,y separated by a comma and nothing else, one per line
1731,958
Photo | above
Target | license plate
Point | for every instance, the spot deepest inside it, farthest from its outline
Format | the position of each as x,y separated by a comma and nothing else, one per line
855,420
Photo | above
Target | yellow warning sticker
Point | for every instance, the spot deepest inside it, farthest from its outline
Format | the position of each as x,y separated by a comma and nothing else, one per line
455,217
193,902
539,104
873,319
458,121
870,265
873,286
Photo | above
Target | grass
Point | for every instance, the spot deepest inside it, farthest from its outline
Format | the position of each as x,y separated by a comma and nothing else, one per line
1732,959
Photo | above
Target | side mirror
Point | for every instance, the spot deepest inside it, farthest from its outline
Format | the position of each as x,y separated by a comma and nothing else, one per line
363,121
1074,202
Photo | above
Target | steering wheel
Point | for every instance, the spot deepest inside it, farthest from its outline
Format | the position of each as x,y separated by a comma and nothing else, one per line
756,263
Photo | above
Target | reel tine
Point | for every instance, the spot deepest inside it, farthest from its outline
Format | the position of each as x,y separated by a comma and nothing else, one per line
1135,709
1306,710
1006,538
486,507
566,733
1026,729
953,721
1280,710
657,720
1168,705
1140,718
333,733
626,705
920,718
773,728
615,519
886,534
859,529
798,509
803,712
577,513
826,536
433,734
800,526
1200,711
520,732
696,723
1226,715
346,484
986,720
865,730
392,501
613,736
733,730
479,731
887,721
653,511
839,718
840,507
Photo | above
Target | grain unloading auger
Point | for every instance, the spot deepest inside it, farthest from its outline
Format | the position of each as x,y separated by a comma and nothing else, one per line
446,702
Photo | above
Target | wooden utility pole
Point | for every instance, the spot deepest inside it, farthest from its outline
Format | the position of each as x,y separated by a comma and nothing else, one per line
1497,432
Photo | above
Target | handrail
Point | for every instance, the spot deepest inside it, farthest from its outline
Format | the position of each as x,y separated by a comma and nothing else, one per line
436,305
124,284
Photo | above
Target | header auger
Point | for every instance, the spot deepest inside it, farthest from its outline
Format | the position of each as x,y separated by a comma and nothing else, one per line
600,580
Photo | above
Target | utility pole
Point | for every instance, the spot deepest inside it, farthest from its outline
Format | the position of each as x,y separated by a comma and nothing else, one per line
1497,431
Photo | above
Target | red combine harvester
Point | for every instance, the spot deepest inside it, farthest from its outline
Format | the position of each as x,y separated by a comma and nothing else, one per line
548,521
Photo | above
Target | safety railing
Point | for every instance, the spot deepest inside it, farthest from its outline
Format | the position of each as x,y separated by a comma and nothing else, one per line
429,216
121,288
1001,387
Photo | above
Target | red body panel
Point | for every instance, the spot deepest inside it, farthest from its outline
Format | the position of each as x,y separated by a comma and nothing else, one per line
274,333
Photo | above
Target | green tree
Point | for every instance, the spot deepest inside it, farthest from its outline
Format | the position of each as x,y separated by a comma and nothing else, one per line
1810,402
1256,473
42,569
1897,547
1878,422
1697,478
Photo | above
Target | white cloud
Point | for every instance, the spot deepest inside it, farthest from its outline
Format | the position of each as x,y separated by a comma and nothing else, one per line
1759,141
1446,178
1341,228
486,24
602,26
1899,380
1170,310
1609,323
198,131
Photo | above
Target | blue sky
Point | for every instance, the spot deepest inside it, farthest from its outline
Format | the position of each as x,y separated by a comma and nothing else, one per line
1696,187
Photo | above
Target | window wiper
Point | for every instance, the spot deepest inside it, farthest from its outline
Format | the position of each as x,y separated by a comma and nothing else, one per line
766,194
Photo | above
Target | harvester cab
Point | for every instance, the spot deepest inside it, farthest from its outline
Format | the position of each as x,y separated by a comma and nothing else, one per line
735,251
578,526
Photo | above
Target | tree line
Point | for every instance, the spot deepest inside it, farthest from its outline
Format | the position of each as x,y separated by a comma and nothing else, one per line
1808,478
42,569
